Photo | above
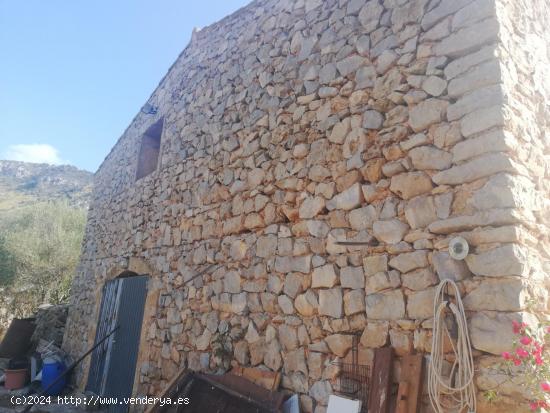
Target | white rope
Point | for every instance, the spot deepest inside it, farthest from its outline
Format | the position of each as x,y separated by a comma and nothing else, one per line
455,391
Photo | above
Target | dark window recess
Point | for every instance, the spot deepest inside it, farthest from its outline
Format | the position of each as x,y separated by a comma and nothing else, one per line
149,150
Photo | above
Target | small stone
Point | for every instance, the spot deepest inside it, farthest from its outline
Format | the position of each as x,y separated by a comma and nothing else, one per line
293,264
429,157
401,342
311,207
324,276
339,344
411,184
420,212
375,334
286,304
320,391
351,198
498,295
375,264
419,280
372,119
420,305
382,281
410,261
390,232
352,277
340,131
448,268
386,305
363,218
434,85
306,304
288,337
232,282
272,356
427,113
509,259
350,64
354,302
330,302
266,246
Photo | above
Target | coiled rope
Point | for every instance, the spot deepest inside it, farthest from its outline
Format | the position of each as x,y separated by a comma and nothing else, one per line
455,391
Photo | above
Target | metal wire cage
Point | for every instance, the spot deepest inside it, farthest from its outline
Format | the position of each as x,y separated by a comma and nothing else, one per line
353,378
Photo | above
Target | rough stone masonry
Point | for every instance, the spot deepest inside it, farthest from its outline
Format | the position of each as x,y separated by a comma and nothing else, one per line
293,124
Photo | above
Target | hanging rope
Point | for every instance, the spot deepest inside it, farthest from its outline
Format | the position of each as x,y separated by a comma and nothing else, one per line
455,391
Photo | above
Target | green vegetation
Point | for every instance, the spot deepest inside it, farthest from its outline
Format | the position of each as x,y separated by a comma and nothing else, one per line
39,252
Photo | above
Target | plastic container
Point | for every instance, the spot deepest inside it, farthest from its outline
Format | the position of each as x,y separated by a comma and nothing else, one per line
51,370
15,379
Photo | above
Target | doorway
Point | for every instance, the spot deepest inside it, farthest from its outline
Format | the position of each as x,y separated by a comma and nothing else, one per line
113,364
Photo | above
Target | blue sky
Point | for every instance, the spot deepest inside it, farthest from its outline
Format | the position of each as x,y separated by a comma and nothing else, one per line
74,73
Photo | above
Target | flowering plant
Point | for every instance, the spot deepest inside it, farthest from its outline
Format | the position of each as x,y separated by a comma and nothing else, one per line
530,351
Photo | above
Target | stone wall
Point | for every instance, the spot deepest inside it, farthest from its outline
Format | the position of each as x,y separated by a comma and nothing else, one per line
292,125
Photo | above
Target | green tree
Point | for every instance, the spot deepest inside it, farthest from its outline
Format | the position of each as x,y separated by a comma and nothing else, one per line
39,252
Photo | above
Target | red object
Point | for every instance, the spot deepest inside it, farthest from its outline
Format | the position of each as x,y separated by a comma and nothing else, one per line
15,379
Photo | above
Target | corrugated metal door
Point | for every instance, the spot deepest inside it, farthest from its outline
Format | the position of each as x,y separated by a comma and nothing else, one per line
113,369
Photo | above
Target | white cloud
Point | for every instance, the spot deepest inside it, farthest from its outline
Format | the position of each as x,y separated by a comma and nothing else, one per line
36,153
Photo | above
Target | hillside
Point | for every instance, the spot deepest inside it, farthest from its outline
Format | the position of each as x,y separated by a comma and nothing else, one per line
23,183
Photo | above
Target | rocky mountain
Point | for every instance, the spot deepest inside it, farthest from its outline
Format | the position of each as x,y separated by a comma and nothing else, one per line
23,183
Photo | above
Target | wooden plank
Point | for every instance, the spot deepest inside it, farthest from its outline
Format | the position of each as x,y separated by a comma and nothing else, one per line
268,379
380,385
410,385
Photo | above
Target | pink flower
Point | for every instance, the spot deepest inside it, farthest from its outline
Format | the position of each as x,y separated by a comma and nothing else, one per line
506,355
538,360
547,330
517,362
526,340
533,406
522,353
545,386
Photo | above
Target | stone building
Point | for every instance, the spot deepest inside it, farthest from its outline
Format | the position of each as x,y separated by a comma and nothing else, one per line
292,125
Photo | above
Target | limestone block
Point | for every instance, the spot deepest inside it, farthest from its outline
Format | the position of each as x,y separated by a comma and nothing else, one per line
510,259
410,261
498,295
390,232
401,341
429,157
506,191
492,331
350,64
232,282
434,85
468,39
420,305
420,212
340,131
442,10
481,120
306,304
293,264
294,284
480,167
352,277
496,217
385,305
363,218
459,66
288,337
477,99
320,391
339,344
311,206
349,199
487,73
375,334
372,119
324,276
354,302
374,264
448,268
330,302
382,281
419,280
295,361
411,184
426,113
492,141
285,304
272,356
